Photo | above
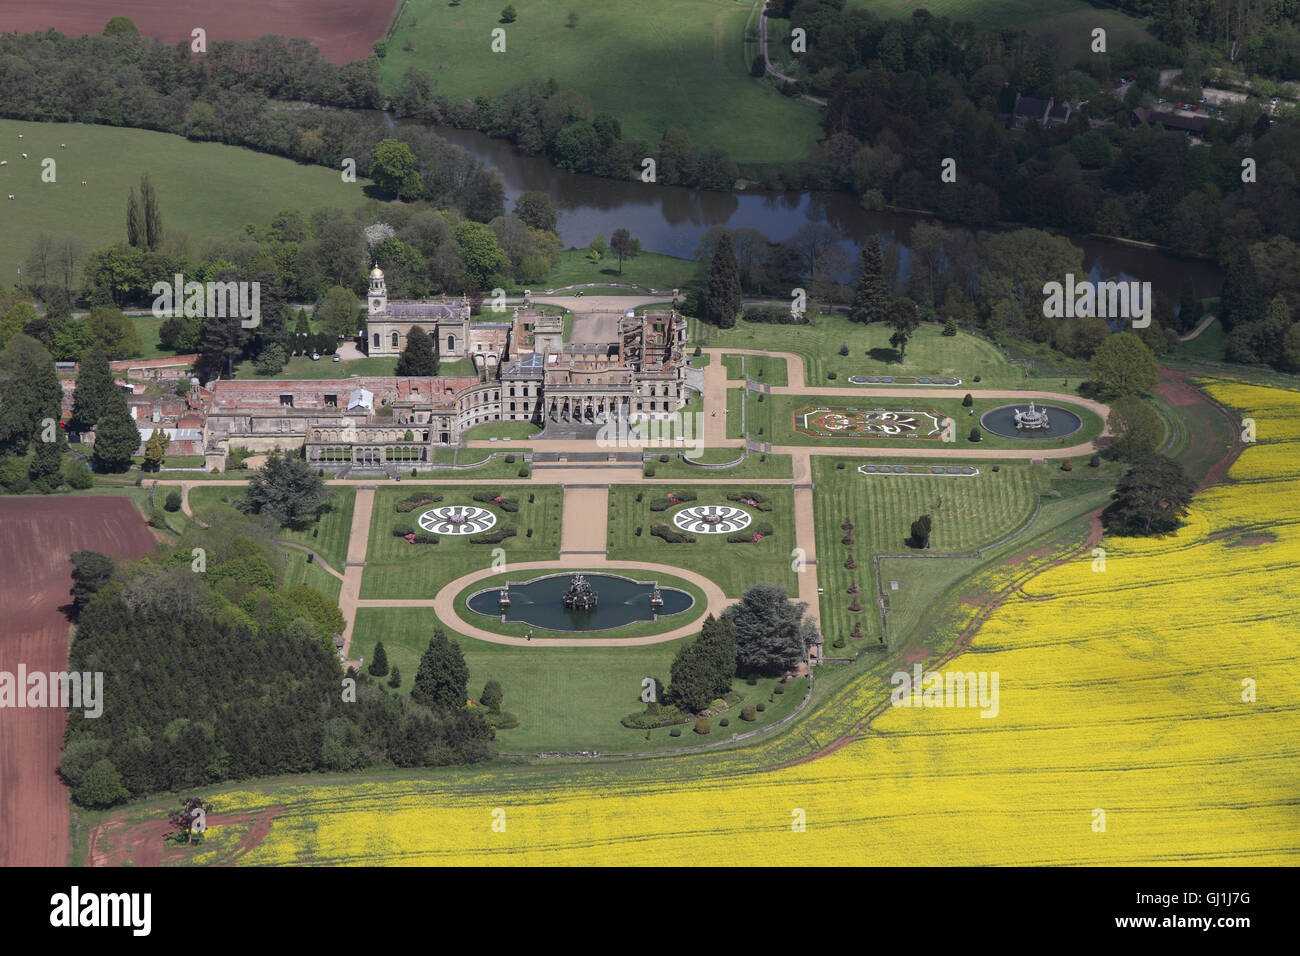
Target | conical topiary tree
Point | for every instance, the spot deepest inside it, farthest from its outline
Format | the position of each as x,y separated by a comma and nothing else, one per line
379,663
395,678
850,564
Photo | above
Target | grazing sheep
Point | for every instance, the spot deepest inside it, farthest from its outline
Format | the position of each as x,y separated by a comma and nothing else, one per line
20,135
83,182
24,155
4,162
63,146
11,195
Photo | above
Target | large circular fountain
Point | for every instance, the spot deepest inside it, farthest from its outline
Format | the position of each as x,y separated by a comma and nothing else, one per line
547,602
1031,422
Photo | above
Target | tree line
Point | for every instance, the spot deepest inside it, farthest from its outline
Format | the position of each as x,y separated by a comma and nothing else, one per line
226,672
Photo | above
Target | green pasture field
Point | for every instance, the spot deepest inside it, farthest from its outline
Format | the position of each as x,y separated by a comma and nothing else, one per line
397,569
567,699
734,566
930,353
207,190
772,420
652,65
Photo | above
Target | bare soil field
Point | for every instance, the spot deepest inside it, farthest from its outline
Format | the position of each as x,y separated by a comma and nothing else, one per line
342,30
36,537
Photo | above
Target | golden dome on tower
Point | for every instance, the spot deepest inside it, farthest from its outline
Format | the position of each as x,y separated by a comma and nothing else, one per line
376,272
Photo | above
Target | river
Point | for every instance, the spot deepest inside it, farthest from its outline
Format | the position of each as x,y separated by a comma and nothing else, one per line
672,219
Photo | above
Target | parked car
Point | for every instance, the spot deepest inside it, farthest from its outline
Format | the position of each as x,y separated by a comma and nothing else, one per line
336,358
1275,101
1161,100
315,356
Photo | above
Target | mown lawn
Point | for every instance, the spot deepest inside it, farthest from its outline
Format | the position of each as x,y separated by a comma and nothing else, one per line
760,369
755,466
671,63
734,566
966,514
302,367
930,354
397,569
650,269
328,536
511,430
567,698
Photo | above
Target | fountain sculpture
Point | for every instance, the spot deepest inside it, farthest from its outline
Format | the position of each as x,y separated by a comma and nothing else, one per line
581,596
1031,418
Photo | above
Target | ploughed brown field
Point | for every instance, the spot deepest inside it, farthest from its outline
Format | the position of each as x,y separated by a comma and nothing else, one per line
342,30
36,537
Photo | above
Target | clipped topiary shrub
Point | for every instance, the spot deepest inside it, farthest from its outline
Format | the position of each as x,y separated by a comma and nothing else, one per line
402,529
173,501
703,726
748,712
415,500
495,535
675,732
671,535
723,722
760,707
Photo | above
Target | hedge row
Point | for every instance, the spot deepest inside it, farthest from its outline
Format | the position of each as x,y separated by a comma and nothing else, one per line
671,535
495,536
490,497
761,502
747,536
663,504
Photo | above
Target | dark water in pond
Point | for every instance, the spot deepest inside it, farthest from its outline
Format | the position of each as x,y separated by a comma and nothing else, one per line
1002,421
621,602
673,219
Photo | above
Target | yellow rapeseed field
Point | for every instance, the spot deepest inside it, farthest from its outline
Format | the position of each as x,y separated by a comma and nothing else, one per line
1148,713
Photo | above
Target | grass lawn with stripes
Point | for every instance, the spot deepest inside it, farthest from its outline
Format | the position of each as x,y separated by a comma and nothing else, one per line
328,535
567,699
967,513
733,565
398,569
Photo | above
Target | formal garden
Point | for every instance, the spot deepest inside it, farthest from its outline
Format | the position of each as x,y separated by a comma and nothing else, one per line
410,559
885,423
644,526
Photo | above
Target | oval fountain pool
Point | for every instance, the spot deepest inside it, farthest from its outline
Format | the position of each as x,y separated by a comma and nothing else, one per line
541,602
1043,422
